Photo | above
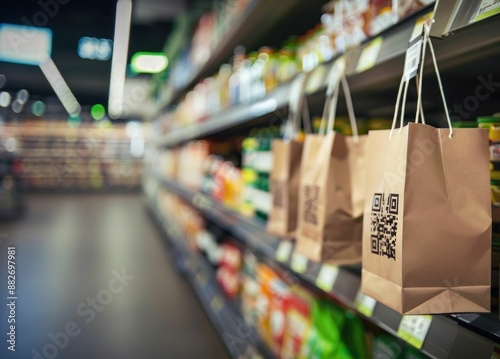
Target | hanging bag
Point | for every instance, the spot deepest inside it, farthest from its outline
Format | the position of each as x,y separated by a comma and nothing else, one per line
332,186
427,221
287,153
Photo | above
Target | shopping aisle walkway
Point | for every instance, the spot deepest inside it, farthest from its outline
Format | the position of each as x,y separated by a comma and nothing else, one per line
71,249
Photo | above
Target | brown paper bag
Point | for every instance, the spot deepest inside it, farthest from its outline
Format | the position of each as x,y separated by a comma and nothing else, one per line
284,186
328,230
427,224
331,194
287,154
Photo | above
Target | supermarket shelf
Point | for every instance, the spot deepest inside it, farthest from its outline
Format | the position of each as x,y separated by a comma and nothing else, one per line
229,119
89,189
78,159
461,336
375,85
244,32
239,339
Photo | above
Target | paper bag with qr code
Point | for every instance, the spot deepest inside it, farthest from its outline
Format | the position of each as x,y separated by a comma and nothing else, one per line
331,193
427,220
331,198
284,186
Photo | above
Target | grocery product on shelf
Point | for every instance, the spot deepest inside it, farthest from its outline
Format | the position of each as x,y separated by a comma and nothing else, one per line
54,155
331,190
328,334
228,275
298,321
257,162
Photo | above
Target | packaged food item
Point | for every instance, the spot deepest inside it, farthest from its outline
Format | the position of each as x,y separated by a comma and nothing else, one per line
492,123
288,65
250,289
353,15
298,321
273,295
324,340
406,7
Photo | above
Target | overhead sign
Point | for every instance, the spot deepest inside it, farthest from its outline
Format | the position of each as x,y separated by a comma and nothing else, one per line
25,44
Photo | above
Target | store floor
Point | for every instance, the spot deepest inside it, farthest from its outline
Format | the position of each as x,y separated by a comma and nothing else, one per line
70,249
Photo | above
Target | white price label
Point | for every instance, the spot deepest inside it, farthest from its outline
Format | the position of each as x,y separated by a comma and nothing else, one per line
217,303
365,304
283,252
298,263
201,278
326,277
414,328
369,56
412,60
486,9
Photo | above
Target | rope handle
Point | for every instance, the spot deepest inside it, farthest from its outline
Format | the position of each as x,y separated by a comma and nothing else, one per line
403,89
298,109
336,78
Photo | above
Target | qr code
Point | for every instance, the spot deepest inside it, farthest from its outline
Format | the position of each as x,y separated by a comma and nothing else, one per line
384,224
311,204
278,192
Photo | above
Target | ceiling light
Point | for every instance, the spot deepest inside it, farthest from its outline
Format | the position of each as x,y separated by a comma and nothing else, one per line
119,59
60,87
23,96
5,99
17,106
149,62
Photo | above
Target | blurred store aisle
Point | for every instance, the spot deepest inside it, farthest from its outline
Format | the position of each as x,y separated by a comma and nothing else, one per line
95,267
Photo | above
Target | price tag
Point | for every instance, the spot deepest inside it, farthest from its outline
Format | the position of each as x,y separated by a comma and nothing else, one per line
486,9
414,328
299,263
201,278
217,303
283,252
365,304
419,25
326,277
412,60
369,56
201,202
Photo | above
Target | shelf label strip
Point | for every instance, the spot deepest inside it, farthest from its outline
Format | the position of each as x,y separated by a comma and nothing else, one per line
298,263
283,252
369,56
326,277
414,328
365,304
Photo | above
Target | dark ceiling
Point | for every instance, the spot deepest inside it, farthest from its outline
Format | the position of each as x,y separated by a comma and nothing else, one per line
88,79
